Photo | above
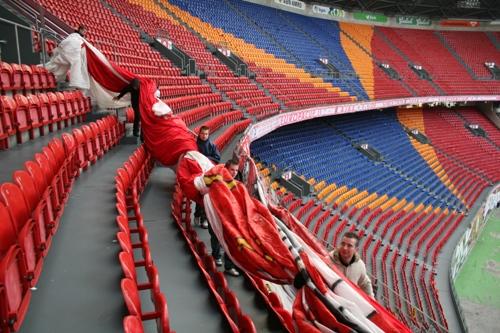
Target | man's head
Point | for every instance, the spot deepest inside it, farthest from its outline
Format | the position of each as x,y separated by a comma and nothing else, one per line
204,133
81,30
348,246
232,165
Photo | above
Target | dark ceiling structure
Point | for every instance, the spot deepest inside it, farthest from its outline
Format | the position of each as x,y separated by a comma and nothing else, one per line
464,9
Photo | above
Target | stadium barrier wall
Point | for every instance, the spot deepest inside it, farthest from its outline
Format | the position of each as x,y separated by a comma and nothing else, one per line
467,243
259,129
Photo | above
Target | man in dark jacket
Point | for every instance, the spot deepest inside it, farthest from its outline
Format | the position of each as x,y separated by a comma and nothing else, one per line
207,148
134,89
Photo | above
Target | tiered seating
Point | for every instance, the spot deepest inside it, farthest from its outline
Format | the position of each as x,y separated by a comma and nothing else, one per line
472,116
306,41
349,167
193,115
225,138
131,180
474,48
107,32
153,18
407,234
221,120
382,51
265,64
26,117
475,152
376,82
30,210
25,79
216,281
424,48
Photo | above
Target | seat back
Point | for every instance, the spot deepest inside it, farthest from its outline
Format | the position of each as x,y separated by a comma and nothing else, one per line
5,76
63,110
161,309
34,202
27,77
54,108
127,264
17,77
21,115
12,197
131,297
35,77
8,235
37,175
81,146
44,109
132,324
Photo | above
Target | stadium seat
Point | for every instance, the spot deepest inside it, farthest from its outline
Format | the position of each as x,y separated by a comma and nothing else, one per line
133,303
132,324
15,292
27,238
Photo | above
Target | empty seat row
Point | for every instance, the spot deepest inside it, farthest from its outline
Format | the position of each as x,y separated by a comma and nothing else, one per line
221,120
131,179
24,78
196,114
216,281
226,137
31,116
30,210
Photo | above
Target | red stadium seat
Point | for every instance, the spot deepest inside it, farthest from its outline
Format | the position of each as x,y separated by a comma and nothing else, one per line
22,119
15,293
44,189
27,237
81,148
17,77
133,303
132,324
36,77
27,78
6,80
40,212
55,114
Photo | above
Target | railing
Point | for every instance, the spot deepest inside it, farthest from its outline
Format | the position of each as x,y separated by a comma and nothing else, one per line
44,33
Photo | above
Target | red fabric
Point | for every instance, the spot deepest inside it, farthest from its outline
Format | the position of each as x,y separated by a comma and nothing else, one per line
187,171
246,220
248,227
301,318
104,75
321,313
166,138
314,274
298,228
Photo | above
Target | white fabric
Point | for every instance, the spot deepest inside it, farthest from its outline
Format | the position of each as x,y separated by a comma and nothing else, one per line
200,185
104,98
161,109
70,56
202,160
